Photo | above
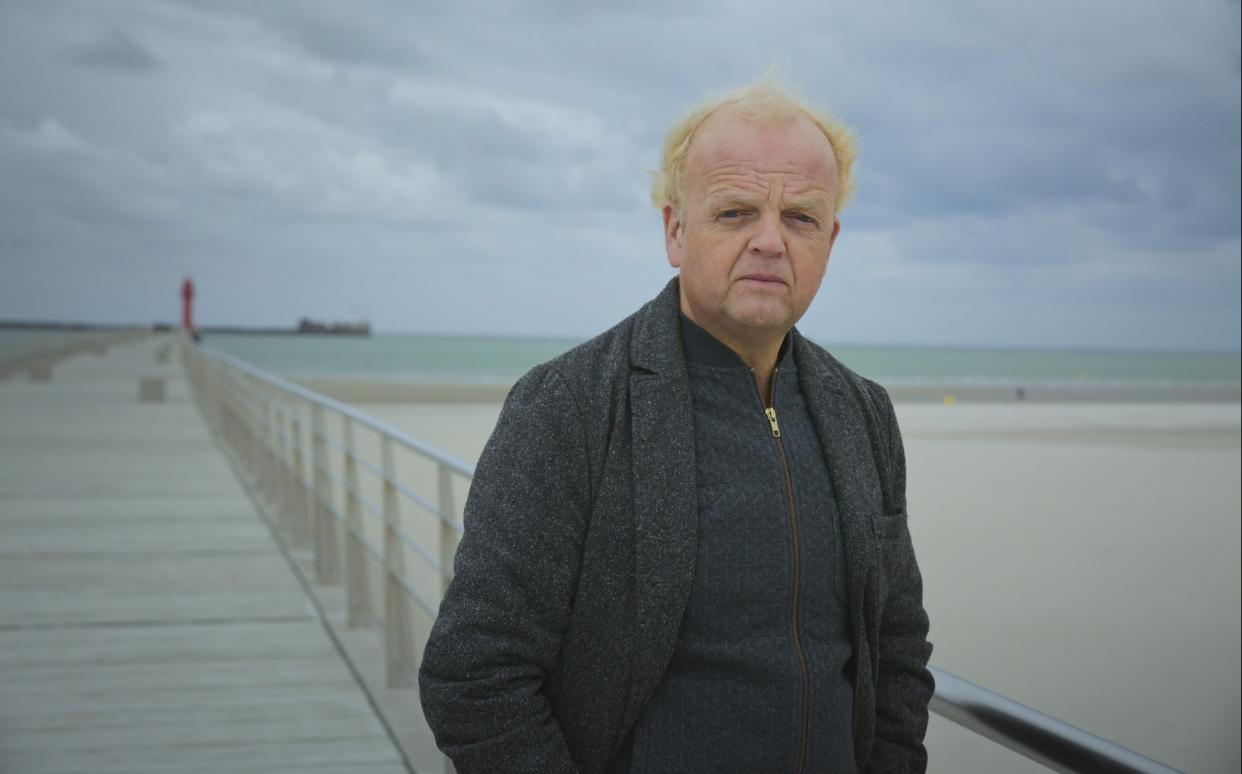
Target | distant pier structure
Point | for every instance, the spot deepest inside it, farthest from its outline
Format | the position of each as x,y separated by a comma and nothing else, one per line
359,328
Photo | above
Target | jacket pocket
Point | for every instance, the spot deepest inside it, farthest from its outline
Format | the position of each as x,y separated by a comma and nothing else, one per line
889,525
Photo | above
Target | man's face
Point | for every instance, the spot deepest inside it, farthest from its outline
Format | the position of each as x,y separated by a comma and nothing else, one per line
758,225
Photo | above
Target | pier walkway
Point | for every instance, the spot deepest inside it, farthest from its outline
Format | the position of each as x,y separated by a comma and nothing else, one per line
148,620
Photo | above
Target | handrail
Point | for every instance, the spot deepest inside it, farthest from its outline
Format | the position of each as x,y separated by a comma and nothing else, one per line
275,459
277,454
310,396
1031,733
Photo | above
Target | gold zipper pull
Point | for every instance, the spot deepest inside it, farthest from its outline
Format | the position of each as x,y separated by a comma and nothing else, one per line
776,428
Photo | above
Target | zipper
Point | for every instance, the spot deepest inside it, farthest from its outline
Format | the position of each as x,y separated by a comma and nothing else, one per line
769,411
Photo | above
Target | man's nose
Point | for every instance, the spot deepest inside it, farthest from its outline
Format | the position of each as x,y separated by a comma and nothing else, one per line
768,240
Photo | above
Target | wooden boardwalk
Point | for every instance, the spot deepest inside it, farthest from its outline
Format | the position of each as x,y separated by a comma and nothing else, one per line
148,621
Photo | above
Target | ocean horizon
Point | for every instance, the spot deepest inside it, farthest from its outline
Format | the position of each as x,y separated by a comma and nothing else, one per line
472,359
501,359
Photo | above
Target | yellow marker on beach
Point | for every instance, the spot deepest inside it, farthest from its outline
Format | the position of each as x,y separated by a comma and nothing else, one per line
949,400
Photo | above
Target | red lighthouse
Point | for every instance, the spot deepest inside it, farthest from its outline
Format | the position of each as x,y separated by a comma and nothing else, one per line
187,303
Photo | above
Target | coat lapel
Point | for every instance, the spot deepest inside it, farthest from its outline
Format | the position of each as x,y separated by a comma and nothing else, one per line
664,491
665,521
843,435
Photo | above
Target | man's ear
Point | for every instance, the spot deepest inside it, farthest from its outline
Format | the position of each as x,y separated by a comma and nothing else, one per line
832,238
673,236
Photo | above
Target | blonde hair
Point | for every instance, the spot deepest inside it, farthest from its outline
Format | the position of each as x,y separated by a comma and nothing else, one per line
766,100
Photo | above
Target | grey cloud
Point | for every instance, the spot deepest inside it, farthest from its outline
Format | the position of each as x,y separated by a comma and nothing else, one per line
116,50
377,34
354,39
1136,133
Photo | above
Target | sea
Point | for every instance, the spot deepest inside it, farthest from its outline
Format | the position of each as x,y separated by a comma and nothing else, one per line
461,359
501,360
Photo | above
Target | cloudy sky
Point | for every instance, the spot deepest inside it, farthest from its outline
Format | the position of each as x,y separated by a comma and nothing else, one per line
1060,173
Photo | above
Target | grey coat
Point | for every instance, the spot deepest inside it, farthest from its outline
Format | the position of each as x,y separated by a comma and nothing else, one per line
578,557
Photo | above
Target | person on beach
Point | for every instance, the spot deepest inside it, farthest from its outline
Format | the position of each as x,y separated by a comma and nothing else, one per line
686,546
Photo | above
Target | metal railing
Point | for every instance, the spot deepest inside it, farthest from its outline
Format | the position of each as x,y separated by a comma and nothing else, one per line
280,434
1029,732
342,495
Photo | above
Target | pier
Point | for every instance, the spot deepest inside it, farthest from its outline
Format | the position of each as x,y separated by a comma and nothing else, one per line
149,621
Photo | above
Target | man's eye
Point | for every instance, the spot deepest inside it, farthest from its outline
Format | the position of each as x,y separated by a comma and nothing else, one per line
802,217
730,214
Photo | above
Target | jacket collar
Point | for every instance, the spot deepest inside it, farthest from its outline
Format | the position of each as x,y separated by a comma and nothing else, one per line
656,342
656,345
817,368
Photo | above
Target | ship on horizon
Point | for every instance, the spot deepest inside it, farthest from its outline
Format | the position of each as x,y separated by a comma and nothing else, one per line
358,328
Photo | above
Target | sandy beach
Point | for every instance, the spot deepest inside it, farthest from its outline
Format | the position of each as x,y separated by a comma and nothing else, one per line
1079,557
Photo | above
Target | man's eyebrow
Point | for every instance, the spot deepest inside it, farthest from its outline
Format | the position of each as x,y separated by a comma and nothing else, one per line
805,202
732,197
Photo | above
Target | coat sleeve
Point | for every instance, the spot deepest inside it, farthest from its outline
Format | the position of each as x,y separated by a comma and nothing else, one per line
499,629
904,686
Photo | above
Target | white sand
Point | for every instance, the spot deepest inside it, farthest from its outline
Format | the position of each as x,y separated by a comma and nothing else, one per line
1084,559
1080,558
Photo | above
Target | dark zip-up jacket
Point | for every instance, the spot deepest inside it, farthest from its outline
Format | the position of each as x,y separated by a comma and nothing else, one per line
762,657
578,558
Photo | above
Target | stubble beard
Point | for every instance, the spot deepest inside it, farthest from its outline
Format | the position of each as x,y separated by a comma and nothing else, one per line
750,314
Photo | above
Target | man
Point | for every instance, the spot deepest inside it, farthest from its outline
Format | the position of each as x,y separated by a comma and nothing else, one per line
686,545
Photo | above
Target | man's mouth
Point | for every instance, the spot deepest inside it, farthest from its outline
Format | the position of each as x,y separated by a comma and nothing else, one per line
766,279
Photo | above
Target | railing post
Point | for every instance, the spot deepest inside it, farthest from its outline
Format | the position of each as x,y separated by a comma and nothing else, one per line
212,385
357,591
219,398
263,410
399,658
448,537
284,491
299,517
254,428
275,432
327,568
276,435
235,420
249,389
230,414
231,417
241,422
276,449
